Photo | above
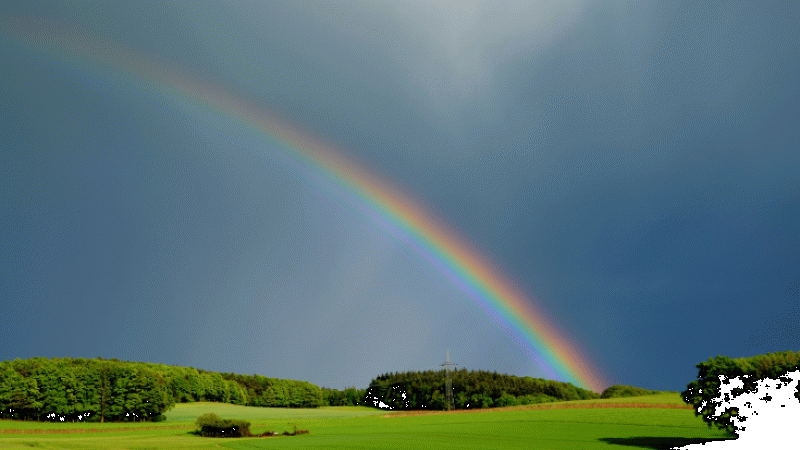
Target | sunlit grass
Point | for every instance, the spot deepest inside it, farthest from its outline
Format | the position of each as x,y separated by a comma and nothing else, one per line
365,428
190,411
667,398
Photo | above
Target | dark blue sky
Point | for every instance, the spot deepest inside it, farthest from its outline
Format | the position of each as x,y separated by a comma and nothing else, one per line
633,166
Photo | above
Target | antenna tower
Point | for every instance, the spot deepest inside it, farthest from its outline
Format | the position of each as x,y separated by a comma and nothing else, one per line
448,386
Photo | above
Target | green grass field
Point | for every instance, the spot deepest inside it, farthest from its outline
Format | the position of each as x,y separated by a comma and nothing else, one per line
562,425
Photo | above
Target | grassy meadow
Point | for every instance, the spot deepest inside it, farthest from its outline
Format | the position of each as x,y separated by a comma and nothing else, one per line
657,421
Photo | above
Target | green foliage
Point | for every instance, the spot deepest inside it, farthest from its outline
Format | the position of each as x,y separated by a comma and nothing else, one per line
207,419
66,389
348,397
473,389
618,390
77,389
257,390
756,397
211,425
506,399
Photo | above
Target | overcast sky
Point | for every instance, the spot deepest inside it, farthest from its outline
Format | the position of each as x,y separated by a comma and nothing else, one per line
631,166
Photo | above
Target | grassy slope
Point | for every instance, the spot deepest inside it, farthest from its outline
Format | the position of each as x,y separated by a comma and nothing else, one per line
190,411
362,428
666,398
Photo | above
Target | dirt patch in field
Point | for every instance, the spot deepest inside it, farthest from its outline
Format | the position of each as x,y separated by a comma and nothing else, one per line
541,406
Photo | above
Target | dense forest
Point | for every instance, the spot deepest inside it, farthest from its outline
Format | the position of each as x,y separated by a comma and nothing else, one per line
78,389
69,389
471,389
348,397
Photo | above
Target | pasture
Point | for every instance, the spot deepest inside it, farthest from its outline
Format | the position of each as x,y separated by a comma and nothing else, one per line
658,421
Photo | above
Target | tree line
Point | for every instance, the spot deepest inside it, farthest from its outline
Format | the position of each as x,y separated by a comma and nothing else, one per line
622,391
471,389
259,390
70,389
348,397
78,389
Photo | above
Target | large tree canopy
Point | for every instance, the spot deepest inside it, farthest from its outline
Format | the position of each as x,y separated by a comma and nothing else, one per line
704,393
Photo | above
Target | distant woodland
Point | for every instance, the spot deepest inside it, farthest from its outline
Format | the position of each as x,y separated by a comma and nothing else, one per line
78,389
70,389
471,389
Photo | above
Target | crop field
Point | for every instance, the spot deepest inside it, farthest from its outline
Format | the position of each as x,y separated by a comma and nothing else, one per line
658,421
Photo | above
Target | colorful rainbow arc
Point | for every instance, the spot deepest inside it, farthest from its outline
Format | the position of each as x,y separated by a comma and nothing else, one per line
430,238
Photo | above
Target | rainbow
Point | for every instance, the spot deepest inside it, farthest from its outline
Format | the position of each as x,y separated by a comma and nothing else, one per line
430,238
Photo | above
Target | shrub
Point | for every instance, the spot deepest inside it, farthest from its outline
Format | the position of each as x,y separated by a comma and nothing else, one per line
211,425
755,398
619,390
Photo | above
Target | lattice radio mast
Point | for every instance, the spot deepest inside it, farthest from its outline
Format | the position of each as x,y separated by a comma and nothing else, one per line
448,386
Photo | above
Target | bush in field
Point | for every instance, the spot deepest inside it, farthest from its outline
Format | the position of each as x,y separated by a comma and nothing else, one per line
619,390
211,425
755,398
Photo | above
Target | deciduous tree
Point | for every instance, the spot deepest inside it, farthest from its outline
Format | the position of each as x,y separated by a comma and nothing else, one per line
762,413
